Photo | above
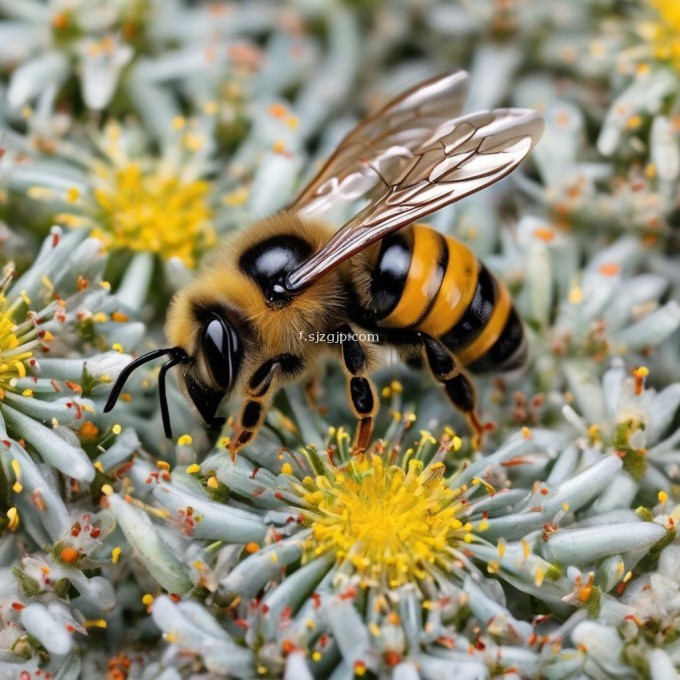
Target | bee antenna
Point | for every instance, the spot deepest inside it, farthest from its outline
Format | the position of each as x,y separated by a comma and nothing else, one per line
176,352
162,396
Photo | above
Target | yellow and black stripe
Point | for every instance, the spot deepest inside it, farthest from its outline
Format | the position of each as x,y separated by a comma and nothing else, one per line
432,283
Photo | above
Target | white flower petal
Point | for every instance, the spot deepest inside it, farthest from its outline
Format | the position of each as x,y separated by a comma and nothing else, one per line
100,72
214,520
665,148
44,627
652,330
54,450
31,77
162,564
580,546
297,668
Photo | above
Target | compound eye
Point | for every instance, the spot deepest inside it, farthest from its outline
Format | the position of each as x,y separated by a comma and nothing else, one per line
220,344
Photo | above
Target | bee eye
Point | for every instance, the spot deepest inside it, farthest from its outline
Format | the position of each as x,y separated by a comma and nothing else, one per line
221,348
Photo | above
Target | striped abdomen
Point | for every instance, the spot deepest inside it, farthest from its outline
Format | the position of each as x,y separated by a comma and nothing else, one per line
425,281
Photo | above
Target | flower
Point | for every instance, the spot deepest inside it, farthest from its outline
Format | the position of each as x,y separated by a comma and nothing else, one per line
56,322
55,38
310,536
623,416
384,520
44,315
128,198
662,32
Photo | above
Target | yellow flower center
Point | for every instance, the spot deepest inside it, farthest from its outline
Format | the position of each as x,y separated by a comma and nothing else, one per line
669,11
12,353
664,35
388,522
147,211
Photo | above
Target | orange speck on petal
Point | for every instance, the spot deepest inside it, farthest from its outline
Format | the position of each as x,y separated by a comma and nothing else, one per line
69,555
544,234
89,430
611,269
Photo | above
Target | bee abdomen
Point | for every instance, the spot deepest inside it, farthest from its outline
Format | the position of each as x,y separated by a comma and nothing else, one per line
428,282
489,334
407,276
508,351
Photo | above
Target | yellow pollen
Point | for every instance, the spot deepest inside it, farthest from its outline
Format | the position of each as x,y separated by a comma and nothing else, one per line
575,295
236,198
634,121
115,554
12,357
140,208
210,108
539,576
13,517
185,440
193,468
147,599
526,548
388,522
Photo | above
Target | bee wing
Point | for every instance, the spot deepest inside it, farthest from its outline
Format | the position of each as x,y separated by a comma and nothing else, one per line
403,124
461,157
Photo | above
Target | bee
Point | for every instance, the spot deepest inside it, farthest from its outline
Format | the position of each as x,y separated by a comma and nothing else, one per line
243,326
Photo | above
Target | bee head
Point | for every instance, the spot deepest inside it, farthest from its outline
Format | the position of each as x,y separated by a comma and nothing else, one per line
215,365
208,374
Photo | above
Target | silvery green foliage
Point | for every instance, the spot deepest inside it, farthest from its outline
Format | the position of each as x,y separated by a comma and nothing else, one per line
562,559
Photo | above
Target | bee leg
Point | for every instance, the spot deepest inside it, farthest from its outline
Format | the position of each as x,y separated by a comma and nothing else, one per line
258,392
459,389
360,390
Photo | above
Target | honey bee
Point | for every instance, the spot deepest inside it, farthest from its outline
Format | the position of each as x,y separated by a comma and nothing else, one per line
242,327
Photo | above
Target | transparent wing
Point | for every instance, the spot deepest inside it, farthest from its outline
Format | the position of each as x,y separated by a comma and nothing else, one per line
400,126
462,156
